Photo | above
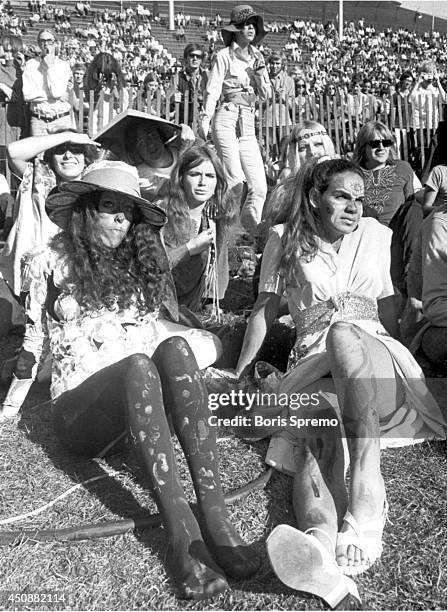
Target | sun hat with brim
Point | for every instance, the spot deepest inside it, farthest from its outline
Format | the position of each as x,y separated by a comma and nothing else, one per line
128,121
113,176
239,15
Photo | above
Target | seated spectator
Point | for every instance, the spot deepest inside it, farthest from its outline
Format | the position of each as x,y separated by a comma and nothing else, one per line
65,155
308,142
96,270
180,33
200,215
392,189
153,94
435,194
149,143
346,326
45,87
424,321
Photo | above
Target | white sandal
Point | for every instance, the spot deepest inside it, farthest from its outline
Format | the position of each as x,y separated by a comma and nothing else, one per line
302,563
371,545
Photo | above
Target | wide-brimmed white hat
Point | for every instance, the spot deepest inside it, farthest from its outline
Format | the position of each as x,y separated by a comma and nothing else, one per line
113,176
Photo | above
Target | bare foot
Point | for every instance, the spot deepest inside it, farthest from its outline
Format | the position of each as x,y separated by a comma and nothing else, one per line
359,543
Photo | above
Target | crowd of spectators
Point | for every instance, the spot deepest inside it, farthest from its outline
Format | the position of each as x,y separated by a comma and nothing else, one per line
366,62
376,58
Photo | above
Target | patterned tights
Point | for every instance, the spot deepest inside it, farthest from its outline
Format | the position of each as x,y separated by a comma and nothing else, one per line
137,392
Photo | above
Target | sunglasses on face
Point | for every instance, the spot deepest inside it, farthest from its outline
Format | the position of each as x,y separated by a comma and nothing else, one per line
385,142
74,148
195,55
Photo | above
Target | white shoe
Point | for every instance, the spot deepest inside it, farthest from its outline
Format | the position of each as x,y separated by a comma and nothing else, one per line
302,563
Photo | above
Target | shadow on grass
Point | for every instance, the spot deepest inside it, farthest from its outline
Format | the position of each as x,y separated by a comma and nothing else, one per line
36,423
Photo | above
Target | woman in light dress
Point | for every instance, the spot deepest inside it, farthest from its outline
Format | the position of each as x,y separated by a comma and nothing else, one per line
332,266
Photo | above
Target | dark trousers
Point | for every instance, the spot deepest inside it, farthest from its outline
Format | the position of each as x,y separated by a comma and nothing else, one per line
406,225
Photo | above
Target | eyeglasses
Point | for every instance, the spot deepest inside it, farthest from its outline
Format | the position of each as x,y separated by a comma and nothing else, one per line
73,147
195,55
385,142
49,41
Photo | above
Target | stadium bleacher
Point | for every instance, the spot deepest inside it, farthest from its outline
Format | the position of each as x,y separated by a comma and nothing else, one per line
380,15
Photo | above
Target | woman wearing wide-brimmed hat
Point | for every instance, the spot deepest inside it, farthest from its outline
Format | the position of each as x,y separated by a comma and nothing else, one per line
240,75
97,296
149,143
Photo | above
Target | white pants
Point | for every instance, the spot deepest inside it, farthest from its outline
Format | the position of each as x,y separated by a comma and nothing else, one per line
235,140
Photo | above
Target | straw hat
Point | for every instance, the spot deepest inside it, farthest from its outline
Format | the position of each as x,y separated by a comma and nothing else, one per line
129,120
239,15
113,176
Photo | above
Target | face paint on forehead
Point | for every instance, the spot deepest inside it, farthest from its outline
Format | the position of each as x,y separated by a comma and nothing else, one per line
356,186
310,134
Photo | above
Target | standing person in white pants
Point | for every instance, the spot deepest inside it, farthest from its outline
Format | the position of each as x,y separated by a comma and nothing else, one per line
239,74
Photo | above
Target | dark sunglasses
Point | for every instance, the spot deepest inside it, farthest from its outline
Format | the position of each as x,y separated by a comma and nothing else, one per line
386,142
74,148
196,55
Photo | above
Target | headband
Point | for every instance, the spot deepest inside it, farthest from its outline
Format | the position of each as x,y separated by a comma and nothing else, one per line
306,136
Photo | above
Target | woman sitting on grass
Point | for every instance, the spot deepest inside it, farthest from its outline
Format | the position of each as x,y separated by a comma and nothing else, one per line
97,295
332,265
200,214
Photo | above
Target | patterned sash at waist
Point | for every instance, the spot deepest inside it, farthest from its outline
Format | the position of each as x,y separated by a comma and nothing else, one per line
345,306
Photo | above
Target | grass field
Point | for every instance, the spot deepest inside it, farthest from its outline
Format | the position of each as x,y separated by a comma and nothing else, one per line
127,572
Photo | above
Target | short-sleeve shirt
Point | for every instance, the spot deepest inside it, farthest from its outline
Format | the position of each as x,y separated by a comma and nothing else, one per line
386,189
437,181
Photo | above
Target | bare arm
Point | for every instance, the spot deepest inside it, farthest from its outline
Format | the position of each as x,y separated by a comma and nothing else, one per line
22,151
388,315
194,246
264,313
429,200
440,88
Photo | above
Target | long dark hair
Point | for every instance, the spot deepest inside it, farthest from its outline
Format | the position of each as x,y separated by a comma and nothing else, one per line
222,207
304,226
103,71
131,274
